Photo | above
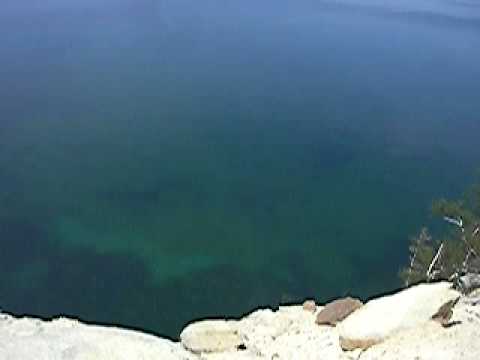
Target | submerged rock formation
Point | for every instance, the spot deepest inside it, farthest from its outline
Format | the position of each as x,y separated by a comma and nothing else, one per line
398,326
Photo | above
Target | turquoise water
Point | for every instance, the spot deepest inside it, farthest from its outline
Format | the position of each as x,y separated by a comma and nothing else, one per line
165,161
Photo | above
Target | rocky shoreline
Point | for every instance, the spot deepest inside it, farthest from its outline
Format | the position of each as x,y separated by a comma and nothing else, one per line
426,321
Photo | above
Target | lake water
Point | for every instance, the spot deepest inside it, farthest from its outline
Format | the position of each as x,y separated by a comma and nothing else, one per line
162,161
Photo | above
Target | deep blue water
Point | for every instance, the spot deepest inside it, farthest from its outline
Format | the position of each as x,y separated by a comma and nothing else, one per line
162,161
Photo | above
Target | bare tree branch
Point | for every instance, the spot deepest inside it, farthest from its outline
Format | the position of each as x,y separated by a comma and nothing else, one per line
431,275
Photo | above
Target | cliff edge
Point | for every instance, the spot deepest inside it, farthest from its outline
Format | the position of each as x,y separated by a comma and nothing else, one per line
426,321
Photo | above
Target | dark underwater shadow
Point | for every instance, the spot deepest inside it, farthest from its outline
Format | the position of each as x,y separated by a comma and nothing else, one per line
40,278
43,279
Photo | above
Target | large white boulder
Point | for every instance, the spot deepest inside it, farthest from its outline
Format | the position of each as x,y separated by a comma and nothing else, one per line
381,318
431,341
65,339
210,336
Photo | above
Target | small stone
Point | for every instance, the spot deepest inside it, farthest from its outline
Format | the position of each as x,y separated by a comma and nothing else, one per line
337,310
309,305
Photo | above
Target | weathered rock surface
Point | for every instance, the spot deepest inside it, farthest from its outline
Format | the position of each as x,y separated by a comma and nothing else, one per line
431,341
211,336
286,334
445,312
381,318
65,339
309,305
337,310
289,333
471,281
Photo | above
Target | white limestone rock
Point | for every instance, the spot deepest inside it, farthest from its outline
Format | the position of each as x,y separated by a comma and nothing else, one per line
64,339
264,326
381,318
210,336
431,341
286,334
230,355
401,322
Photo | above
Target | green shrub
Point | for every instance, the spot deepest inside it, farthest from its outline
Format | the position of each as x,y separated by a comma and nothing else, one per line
455,252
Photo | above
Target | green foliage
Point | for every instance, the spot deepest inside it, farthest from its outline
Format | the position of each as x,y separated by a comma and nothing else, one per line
453,253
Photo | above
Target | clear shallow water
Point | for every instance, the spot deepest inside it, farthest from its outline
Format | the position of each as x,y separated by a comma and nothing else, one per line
167,161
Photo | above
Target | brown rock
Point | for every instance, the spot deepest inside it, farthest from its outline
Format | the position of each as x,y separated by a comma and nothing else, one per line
445,312
309,305
337,310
